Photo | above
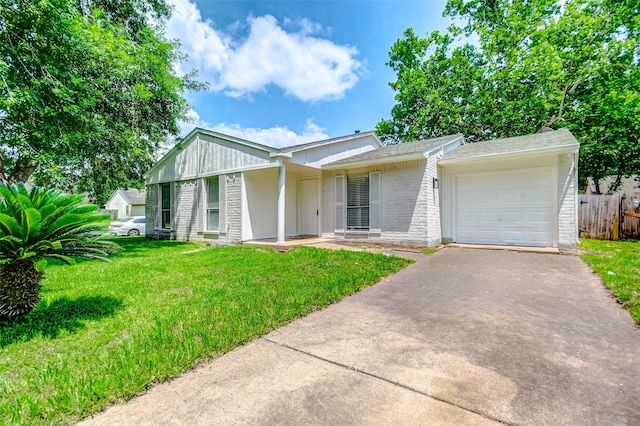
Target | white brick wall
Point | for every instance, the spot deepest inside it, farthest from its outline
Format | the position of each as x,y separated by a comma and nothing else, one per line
409,212
567,203
186,210
432,207
151,210
234,208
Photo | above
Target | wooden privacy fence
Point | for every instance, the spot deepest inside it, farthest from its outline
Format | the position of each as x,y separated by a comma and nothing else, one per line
608,217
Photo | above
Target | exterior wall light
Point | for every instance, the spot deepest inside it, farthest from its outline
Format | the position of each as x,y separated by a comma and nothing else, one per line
435,183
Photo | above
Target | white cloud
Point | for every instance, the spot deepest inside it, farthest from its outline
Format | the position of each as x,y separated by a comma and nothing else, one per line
274,136
307,67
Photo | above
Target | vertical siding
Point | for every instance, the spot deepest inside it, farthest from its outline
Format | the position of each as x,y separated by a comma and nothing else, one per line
206,155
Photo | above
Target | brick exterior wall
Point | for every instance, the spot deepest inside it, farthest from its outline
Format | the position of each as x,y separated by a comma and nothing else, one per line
432,207
234,207
189,211
185,209
151,211
567,203
409,209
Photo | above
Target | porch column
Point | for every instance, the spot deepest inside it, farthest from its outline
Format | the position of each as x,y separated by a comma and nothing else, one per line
281,205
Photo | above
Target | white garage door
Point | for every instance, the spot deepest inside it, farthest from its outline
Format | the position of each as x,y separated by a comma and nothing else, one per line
513,208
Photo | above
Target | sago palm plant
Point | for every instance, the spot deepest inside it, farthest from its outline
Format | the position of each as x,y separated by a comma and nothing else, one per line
36,225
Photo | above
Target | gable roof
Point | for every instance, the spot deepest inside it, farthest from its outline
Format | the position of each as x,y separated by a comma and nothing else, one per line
135,196
273,151
132,196
556,141
398,151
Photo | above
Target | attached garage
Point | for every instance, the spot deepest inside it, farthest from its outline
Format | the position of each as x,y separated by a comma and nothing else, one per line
518,191
507,208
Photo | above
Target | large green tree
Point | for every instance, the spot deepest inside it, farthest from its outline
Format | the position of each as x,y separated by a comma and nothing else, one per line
87,91
515,66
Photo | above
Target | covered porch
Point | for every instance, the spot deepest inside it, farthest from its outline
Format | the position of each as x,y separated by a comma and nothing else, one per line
281,204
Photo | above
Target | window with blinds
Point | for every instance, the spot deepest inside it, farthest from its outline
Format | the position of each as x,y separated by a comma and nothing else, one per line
213,204
358,202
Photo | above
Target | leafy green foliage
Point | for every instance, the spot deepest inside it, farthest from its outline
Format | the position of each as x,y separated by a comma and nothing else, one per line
164,307
536,63
36,225
618,263
87,92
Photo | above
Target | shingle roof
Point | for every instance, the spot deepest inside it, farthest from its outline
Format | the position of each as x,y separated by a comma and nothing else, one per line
400,149
561,138
135,196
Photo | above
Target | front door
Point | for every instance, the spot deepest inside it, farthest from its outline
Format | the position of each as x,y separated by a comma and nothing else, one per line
308,212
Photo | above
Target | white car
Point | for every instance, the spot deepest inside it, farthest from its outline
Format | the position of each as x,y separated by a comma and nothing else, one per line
131,226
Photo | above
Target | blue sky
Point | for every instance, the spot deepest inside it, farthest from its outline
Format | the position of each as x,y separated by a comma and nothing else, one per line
287,72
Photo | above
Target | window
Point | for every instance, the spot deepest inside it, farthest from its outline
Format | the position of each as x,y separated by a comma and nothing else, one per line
213,204
165,206
141,220
358,202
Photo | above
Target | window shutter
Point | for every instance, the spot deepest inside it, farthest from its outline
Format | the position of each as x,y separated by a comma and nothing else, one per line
374,202
222,182
200,193
340,204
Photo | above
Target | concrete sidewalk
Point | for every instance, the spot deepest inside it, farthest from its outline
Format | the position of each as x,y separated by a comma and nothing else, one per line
460,337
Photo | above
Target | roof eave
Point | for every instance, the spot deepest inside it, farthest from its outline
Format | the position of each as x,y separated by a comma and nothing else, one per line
418,155
550,150
459,138
309,145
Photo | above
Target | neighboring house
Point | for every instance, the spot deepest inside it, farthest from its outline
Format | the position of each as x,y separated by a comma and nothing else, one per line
128,202
515,191
630,186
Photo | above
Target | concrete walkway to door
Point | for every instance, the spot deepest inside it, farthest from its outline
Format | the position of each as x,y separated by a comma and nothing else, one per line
462,336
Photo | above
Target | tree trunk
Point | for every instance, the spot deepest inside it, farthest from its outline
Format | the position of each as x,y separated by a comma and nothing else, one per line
19,288
3,175
23,169
615,185
596,183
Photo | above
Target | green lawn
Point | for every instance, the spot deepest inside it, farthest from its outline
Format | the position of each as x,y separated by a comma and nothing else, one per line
618,263
108,330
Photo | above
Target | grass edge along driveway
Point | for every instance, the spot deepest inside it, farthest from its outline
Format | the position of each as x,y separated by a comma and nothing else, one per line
106,331
618,263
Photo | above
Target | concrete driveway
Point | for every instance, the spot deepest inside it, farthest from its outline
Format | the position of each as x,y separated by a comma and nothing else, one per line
461,337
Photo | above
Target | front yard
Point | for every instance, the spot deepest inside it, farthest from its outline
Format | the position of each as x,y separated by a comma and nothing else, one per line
105,331
618,263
